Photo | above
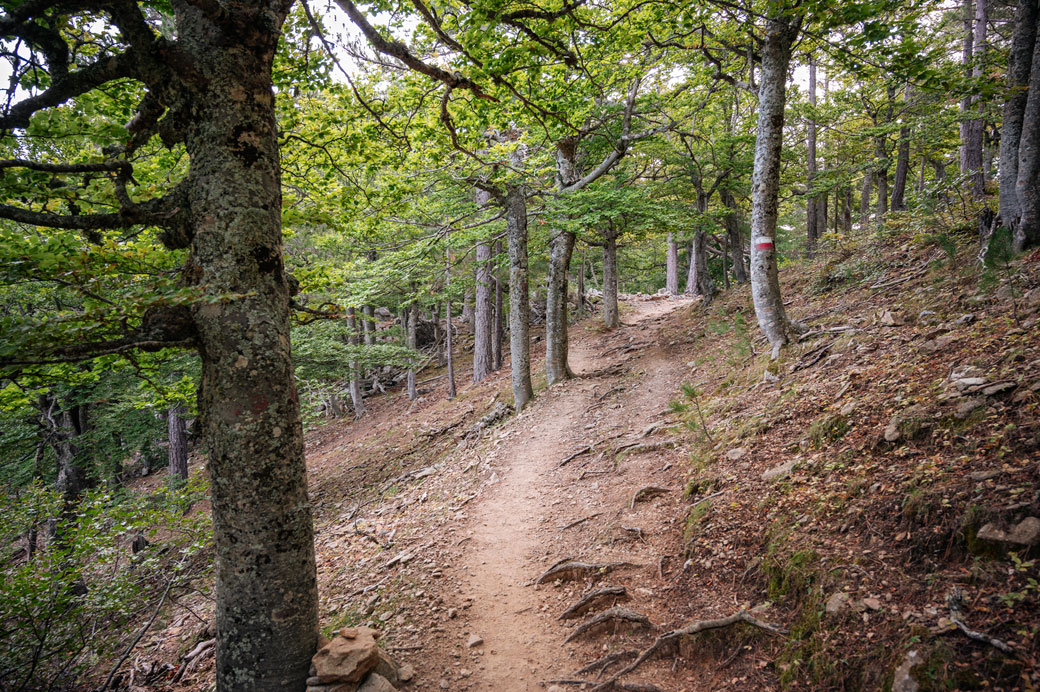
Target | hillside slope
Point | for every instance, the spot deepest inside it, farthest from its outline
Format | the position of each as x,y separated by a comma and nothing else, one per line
872,493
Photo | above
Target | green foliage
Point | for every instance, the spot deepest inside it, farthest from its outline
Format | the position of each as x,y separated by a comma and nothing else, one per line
77,599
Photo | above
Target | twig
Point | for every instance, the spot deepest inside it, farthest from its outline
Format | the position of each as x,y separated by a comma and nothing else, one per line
147,626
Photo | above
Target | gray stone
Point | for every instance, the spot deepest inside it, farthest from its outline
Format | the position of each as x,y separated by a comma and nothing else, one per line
903,679
1026,532
778,473
967,407
737,454
406,672
388,668
376,683
474,641
836,603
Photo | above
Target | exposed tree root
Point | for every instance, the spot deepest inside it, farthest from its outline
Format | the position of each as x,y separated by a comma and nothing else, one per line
600,665
579,521
584,450
590,600
611,615
953,600
613,685
640,448
570,570
646,493
693,628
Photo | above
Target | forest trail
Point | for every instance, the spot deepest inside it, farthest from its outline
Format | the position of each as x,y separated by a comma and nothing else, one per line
515,527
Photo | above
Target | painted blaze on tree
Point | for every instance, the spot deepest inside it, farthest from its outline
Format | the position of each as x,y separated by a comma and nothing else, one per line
210,91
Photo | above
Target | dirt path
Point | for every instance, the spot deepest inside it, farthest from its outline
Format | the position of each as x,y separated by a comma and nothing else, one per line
515,528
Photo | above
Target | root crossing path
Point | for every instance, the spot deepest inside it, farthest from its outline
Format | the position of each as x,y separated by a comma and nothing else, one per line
524,520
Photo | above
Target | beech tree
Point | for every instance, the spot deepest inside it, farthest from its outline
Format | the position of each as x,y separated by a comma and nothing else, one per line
205,87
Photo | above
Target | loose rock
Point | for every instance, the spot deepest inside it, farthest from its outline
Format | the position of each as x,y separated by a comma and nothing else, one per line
348,657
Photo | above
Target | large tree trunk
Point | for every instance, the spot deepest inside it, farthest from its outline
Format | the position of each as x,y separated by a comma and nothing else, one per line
482,314
499,329
1019,65
355,368
556,340
177,441
765,181
266,593
881,176
672,266
519,306
610,280
1027,185
736,242
812,230
966,54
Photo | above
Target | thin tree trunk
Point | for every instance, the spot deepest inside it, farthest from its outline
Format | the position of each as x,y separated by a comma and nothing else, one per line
438,337
864,199
467,308
812,231
498,330
848,210
356,398
368,324
482,314
902,161
705,287
1020,63
691,272
966,54
781,33
672,266
448,329
610,280
413,331
519,303
581,284
736,241
177,438
556,339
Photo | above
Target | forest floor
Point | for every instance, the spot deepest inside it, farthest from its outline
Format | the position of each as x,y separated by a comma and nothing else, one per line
859,492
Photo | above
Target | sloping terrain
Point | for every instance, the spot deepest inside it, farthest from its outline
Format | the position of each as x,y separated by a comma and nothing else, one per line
872,493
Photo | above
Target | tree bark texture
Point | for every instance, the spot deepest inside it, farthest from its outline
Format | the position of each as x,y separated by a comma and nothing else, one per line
765,180
702,283
1027,185
902,168
1019,66
483,308
672,266
736,241
413,328
177,441
498,332
610,280
519,306
556,339
448,328
864,198
266,594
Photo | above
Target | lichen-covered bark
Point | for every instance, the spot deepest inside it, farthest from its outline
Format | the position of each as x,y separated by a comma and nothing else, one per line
610,280
1027,185
765,180
413,327
1020,62
448,327
702,283
556,340
519,308
266,595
